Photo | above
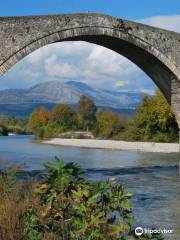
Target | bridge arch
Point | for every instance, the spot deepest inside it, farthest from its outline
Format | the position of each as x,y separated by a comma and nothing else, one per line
144,45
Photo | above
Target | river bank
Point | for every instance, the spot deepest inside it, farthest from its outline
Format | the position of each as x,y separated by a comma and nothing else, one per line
116,145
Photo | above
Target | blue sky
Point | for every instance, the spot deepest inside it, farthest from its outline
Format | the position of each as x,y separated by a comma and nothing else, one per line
130,9
81,61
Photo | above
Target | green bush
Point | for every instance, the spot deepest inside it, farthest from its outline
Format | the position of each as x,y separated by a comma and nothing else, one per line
39,134
52,130
73,209
64,206
49,131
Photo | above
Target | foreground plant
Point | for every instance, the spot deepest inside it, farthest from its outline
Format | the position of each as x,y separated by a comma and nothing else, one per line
14,200
73,209
64,206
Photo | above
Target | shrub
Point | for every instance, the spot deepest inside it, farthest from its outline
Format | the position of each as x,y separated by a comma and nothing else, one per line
14,200
64,206
72,208
52,130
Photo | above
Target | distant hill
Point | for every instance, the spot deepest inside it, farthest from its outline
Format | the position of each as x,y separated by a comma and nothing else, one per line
21,102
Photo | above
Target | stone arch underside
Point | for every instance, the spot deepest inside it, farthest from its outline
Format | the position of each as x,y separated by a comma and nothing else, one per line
160,67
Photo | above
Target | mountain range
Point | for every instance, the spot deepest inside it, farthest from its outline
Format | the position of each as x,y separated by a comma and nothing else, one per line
22,101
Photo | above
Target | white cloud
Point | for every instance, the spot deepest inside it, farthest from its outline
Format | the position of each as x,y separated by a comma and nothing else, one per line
121,83
167,22
57,69
63,49
146,91
107,62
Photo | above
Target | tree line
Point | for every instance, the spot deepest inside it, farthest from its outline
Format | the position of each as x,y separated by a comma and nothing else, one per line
153,121
62,118
11,124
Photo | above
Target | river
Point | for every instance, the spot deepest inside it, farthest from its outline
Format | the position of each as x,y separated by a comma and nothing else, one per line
151,177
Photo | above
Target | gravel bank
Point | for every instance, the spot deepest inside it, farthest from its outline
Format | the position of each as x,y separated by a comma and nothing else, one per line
116,145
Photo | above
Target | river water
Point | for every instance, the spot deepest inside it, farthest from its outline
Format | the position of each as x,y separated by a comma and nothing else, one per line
151,177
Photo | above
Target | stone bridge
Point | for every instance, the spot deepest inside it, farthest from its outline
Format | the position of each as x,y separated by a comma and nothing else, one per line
155,51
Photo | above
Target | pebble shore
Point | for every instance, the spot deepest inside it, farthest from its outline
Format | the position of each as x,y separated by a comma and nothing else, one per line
116,145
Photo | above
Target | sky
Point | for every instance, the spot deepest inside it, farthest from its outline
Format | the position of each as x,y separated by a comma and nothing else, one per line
85,62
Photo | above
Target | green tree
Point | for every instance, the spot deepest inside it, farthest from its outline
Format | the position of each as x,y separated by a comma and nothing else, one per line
20,123
166,119
154,120
107,124
11,120
87,111
64,116
38,119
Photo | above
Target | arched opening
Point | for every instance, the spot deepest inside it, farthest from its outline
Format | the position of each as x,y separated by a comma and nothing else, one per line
157,66
152,66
